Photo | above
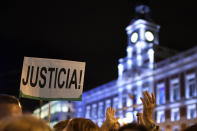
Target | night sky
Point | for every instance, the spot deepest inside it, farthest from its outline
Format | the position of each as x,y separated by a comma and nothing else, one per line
87,30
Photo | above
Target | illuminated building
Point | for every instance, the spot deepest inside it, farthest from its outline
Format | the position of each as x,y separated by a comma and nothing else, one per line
59,110
151,67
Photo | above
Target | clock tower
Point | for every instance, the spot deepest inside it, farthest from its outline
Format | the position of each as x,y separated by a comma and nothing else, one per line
143,39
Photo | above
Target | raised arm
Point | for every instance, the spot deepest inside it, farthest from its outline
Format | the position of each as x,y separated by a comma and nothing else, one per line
145,118
111,122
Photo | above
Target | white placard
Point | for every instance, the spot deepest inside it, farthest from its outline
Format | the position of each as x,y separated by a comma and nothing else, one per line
52,79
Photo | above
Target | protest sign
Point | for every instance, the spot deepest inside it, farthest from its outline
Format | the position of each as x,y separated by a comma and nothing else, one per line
52,79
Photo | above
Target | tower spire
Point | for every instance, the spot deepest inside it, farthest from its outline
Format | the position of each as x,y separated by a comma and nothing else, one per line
142,10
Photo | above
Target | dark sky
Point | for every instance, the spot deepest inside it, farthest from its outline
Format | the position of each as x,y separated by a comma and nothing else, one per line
88,30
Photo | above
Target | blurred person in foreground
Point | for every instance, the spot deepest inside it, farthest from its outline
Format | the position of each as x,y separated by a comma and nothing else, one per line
61,125
191,128
24,123
133,127
81,124
9,106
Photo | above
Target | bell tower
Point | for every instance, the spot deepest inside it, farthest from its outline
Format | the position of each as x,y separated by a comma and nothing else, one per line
142,38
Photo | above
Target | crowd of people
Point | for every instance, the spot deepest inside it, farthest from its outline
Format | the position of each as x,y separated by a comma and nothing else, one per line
12,119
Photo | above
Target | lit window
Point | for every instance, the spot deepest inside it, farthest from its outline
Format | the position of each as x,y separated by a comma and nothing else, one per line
175,115
94,111
100,110
107,104
129,63
129,117
120,69
87,115
124,101
151,55
55,108
191,111
79,113
161,93
124,104
145,87
129,51
115,104
160,116
134,95
65,108
44,113
139,60
190,86
174,90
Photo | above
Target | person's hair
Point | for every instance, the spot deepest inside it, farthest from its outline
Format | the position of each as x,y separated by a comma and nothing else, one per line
191,128
25,123
60,125
133,126
8,99
81,124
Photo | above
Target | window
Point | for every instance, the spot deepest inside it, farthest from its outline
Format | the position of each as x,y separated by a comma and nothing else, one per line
191,111
79,113
115,104
134,95
174,90
175,115
65,107
161,93
94,111
87,115
101,110
129,117
145,87
160,116
190,86
55,108
107,104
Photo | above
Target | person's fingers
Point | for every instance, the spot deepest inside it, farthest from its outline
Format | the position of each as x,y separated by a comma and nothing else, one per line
146,98
112,111
149,97
108,111
153,98
144,102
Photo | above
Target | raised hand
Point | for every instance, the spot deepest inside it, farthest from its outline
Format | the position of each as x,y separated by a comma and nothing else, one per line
110,115
110,121
148,109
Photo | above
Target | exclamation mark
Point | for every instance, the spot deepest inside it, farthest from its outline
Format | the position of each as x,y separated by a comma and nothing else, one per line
80,79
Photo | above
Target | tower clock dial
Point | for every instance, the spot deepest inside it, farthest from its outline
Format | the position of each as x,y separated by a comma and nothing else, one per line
134,37
149,36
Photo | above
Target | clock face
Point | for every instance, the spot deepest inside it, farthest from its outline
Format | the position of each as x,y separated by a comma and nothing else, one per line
134,37
149,36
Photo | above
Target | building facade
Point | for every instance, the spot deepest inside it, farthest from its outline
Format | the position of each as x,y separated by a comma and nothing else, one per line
150,67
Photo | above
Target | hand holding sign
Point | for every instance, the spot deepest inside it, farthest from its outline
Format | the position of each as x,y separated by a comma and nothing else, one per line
52,79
